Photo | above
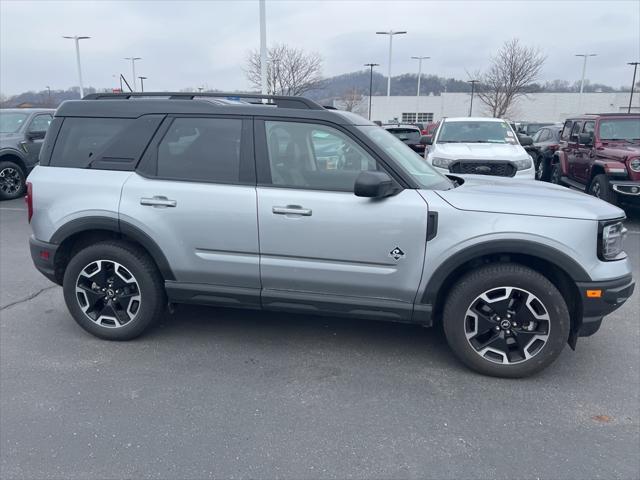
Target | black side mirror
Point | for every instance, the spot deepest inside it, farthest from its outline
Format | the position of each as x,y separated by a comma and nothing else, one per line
426,140
525,140
374,184
36,135
585,139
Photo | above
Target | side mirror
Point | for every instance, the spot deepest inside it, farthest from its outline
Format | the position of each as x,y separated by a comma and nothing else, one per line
374,184
36,135
585,139
426,140
525,140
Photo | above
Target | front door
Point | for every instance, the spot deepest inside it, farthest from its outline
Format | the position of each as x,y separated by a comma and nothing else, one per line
35,135
572,150
582,160
319,243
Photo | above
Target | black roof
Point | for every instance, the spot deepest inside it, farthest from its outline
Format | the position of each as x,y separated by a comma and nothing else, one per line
133,105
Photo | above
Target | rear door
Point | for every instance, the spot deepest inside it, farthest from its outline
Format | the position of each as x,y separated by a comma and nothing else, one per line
572,148
582,159
321,246
194,194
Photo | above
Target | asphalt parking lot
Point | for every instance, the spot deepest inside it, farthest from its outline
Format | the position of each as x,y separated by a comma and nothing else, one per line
234,394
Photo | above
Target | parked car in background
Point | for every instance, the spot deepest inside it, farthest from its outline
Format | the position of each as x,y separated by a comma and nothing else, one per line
530,129
409,134
483,146
430,128
600,154
545,143
22,131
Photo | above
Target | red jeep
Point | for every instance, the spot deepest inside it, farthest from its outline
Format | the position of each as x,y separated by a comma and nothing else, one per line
600,155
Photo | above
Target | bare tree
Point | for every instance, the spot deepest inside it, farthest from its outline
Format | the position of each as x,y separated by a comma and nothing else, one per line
290,71
351,100
511,71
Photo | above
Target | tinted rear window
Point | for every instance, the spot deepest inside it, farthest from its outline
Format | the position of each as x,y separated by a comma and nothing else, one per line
81,140
405,133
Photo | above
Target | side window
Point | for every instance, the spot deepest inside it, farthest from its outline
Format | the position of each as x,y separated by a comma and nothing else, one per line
566,130
574,132
589,127
40,123
306,155
81,140
201,150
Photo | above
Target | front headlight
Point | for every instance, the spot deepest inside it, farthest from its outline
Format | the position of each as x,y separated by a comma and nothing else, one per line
611,240
635,164
441,162
523,164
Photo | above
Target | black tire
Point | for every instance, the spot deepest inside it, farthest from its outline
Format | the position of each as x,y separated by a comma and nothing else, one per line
601,188
148,282
493,278
556,174
542,169
12,180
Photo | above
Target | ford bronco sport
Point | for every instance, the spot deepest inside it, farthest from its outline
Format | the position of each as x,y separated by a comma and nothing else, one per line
195,198
600,154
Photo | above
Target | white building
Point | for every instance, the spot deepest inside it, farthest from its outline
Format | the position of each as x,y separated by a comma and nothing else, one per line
535,107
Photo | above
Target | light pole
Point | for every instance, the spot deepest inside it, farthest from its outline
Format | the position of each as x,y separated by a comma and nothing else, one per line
263,48
633,82
473,89
133,70
77,40
371,65
142,79
391,33
584,67
48,95
419,75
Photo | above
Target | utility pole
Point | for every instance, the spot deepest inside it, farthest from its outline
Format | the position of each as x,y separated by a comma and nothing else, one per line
142,79
263,48
371,65
584,72
391,33
419,75
77,40
633,82
473,89
133,70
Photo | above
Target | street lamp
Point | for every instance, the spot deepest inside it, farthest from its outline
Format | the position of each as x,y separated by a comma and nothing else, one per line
633,82
263,49
133,69
371,65
77,40
391,33
584,67
419,75
142,79
473,89
48,95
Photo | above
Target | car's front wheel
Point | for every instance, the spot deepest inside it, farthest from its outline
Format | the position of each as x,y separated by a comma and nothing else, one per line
542,169
113,290
556,174
506,320
12,181
600,188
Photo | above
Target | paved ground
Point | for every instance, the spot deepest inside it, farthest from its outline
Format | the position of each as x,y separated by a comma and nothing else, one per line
231,394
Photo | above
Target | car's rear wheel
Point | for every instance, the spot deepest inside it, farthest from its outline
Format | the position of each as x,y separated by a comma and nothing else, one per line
506,320
601,188
113,290
12,180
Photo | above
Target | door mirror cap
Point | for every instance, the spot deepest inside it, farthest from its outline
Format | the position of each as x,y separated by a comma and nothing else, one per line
426,140
585,139
36,135
525,140
374,184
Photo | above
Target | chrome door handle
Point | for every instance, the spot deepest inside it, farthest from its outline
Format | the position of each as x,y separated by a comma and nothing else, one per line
158,201
292,210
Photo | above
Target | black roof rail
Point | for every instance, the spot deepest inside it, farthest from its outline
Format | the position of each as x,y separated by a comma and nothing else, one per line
280,101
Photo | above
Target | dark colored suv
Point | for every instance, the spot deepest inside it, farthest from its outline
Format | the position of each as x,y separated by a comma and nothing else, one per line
409,134
546,142
22,132
600,154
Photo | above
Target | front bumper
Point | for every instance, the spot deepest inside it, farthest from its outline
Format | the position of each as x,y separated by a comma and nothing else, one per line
629,190
43,255
528,174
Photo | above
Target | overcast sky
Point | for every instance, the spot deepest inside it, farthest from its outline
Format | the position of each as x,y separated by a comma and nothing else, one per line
193,43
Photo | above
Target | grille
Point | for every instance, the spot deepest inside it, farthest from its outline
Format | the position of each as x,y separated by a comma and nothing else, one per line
498,169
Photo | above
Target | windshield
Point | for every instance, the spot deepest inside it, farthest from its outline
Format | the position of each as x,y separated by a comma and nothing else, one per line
620,129
410,161
406,134
11,122
476,131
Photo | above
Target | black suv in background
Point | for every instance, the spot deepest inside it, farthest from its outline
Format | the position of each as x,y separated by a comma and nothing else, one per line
546,142
22,132
409,134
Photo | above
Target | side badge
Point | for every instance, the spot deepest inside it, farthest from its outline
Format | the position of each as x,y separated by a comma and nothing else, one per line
396,253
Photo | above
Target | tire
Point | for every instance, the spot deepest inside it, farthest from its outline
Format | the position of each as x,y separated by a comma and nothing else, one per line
542,169
12,180
539,313
600,188
556,174
135,299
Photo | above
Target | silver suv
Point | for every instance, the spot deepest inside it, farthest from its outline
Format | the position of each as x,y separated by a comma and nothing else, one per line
284,205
